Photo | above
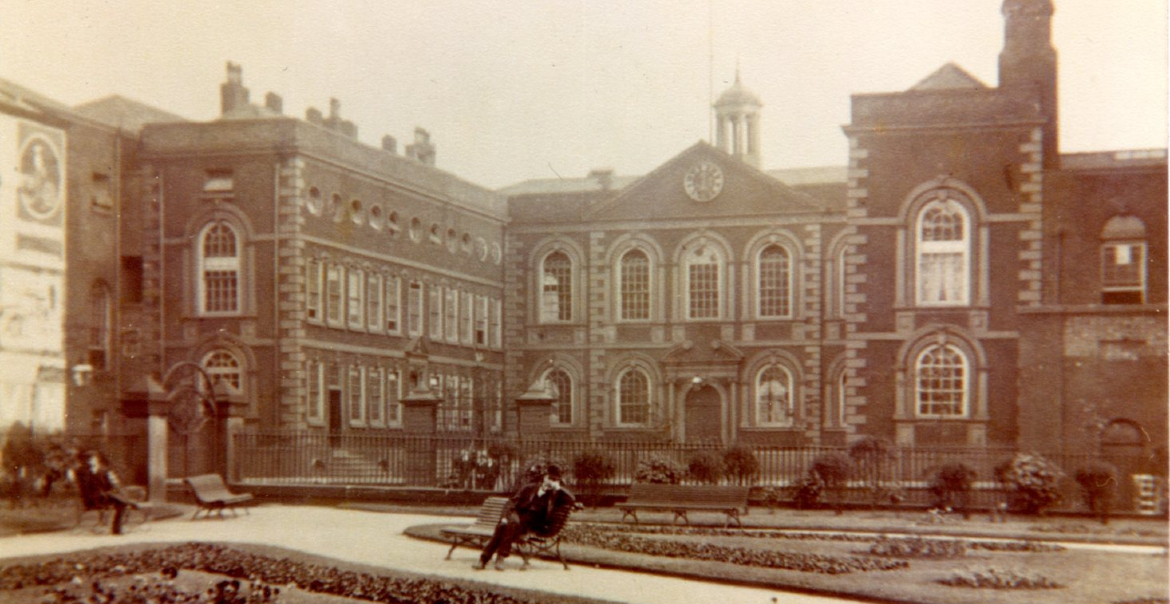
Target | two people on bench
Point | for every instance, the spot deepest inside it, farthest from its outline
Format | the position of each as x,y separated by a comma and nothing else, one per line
530,510
100,489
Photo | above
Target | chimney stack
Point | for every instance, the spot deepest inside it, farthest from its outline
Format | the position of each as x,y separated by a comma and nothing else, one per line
274,102
422,150
389,143
232,93
313,116
603,176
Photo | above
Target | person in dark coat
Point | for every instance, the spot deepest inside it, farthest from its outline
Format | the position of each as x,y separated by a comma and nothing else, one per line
100,489
530,510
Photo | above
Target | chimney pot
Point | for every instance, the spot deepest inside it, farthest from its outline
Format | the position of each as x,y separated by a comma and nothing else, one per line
389,143
313,116
274,102
232,93
334,109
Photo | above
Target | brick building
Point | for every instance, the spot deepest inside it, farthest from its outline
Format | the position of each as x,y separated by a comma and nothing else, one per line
959,283
927,294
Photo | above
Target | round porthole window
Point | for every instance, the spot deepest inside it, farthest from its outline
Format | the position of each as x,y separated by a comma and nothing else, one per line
415,230
355,211
481,249
497,253
377,220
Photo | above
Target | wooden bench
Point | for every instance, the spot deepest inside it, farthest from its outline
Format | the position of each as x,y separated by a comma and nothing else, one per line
476,535
679,499
212,495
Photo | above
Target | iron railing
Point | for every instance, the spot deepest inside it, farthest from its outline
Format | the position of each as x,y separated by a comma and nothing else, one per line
469,462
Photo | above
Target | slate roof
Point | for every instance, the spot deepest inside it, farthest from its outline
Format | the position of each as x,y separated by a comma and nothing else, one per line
949,77
127,114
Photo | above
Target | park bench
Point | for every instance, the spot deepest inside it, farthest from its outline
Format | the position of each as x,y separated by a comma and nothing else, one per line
212,495
138,510
680,499
475,535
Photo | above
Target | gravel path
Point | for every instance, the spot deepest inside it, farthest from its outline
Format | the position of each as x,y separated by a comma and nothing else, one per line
378,539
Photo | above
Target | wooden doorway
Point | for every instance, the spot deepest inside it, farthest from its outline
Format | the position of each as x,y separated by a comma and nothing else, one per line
704,415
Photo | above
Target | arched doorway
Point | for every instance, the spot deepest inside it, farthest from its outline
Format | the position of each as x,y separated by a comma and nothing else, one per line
704,408
1123,443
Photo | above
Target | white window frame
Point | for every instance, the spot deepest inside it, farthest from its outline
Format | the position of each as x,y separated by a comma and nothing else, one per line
465,318
375,397
218,372
314,291
414,309
315,380
494,326
231,265
620,282
355,301
393,303
393,398
356,396
619,404
691,260
373,302
480,339
784,284
763,401
965,393
555,292
334,295
960,249
435,310
555,418
451,315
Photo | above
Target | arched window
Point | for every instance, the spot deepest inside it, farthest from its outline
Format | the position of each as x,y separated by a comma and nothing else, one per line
704,271
219,269
841,398
634,286
101,319
774,401
775,283
633,398
223,366
562,387
839,290
1123,261
942,382
556,288
943,237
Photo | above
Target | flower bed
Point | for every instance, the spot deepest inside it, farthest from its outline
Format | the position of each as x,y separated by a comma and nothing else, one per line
999,579
917,547
596,536
259,570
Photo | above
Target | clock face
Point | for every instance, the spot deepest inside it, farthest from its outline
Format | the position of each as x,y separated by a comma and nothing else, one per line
703,182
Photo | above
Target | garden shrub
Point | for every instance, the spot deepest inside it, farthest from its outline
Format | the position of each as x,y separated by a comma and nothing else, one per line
658,469
1033,481
1098,482
706,467
873,463
740,463
951,487
591,468
829,472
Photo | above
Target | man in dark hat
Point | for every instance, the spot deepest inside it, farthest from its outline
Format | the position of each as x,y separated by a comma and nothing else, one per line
530,510
100,488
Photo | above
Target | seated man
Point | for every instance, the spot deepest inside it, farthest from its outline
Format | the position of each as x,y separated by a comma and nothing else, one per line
100,489
530,510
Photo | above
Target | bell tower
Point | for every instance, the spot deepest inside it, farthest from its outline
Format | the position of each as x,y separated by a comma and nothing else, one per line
737,123
1028,60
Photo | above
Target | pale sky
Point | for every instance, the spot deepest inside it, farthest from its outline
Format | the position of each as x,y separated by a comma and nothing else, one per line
539,88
